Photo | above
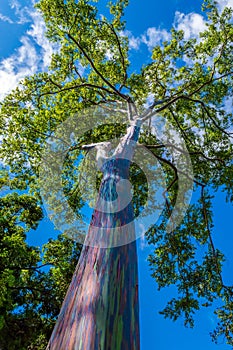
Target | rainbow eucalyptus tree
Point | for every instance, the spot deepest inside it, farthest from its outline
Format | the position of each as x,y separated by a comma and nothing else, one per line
192,79
101,310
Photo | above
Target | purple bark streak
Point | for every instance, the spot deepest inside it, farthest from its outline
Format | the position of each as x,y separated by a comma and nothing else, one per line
101,310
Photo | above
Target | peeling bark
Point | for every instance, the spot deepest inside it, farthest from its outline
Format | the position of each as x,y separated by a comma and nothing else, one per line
101,309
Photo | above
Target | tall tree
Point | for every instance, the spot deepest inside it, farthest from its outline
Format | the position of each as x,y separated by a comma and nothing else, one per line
101,306
192,78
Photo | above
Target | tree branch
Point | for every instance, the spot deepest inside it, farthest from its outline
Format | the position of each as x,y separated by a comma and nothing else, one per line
79,86
208,113
183,151
121,53
118,93
205,215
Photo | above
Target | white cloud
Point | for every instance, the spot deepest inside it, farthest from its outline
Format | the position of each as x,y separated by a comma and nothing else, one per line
109,54
155,37
192,24
33,55
5,18
152,37
143,241
224,3
16,67
134,42
22,13
149,101
36,50
37,32
228,104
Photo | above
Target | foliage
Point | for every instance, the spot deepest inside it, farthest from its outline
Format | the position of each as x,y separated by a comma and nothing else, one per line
193,78
31,294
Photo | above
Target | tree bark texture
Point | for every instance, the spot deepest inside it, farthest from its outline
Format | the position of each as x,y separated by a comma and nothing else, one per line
101,308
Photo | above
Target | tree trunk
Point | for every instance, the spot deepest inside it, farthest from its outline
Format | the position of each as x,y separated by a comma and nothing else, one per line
101,309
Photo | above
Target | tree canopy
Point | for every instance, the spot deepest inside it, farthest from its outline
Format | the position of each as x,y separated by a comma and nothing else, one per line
193,80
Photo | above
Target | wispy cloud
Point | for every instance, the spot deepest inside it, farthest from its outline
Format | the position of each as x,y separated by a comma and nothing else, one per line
37,33
143,241
5,18
155,36
33,55
21,12
17,66
134,42
192,24
224,3
150,38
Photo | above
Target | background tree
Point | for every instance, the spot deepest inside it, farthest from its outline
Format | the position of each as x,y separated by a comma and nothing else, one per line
31,293
193,78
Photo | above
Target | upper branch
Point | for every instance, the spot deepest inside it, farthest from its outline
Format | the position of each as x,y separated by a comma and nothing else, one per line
171,100
212,159
117,92
77,86
120,51
208,113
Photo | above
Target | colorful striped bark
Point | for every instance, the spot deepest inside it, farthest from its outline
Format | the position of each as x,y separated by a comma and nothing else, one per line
101,310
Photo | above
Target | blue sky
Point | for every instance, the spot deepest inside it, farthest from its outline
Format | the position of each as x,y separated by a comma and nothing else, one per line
23,51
